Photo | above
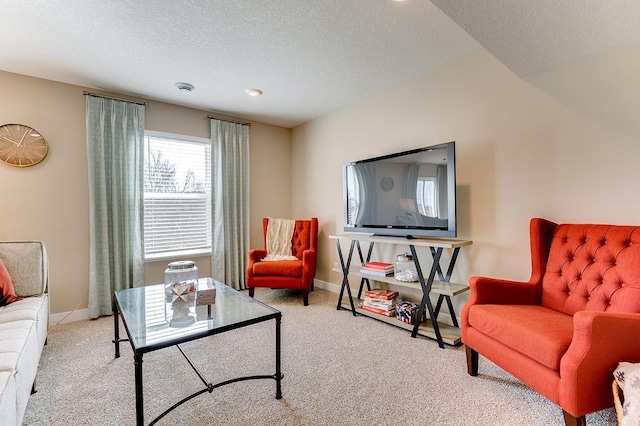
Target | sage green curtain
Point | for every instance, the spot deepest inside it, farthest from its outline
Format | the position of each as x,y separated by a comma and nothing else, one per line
115,143
230,202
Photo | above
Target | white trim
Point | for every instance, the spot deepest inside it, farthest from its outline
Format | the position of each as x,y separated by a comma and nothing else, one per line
83,314
334,288
67,317
175,136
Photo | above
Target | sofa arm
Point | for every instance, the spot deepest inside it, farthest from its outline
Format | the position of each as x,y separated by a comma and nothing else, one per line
600,341
485,290
28,266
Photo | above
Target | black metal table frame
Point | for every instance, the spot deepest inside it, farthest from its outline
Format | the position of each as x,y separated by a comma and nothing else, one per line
436,254
209,386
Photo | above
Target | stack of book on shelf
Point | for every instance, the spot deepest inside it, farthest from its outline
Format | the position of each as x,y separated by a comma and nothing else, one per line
379,269
380,301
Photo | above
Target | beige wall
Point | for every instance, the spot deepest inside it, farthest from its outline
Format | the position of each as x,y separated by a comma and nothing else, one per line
50,202
520,154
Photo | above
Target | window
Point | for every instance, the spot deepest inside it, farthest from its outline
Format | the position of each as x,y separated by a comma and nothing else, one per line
426,198
353,196
177,196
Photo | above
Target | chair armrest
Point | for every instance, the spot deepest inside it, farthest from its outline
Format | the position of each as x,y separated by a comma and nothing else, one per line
256,255
485,290
600,341
308,266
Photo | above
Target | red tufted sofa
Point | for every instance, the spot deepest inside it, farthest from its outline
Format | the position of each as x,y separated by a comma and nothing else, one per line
295,274
564,331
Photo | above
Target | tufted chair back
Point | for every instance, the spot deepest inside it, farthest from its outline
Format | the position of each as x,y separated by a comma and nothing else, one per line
304,238
593,267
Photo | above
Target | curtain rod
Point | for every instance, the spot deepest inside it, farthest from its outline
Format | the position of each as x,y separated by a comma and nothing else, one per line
97,95
228,121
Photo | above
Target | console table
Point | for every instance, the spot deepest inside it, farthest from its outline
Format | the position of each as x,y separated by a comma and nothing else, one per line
443,333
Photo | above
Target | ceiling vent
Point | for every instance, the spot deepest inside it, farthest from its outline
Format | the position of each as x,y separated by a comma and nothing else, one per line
185,87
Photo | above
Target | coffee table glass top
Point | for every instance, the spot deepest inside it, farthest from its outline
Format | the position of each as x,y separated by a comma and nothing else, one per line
143,314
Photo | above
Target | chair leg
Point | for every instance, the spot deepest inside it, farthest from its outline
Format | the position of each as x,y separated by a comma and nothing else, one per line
252,291
472,361
305,297
571,420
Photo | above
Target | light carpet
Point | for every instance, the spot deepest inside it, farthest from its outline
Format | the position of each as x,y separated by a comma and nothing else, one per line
338,370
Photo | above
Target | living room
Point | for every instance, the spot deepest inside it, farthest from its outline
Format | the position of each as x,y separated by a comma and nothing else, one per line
558,143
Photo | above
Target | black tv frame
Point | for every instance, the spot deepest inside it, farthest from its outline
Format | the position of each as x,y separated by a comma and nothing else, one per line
405,231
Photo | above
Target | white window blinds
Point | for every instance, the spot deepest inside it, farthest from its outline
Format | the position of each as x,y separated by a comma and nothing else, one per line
177,196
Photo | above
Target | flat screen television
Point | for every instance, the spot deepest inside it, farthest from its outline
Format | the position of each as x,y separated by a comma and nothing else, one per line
408,194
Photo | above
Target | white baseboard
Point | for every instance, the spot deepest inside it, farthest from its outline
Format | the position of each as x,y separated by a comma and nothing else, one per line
72,316
83,314
334,288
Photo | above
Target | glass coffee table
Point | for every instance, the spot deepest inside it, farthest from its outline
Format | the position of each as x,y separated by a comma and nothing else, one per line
142,310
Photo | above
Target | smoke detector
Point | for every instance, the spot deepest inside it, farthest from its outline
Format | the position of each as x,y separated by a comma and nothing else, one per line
185,87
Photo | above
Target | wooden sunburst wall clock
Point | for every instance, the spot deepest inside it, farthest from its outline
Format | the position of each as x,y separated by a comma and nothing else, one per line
21,145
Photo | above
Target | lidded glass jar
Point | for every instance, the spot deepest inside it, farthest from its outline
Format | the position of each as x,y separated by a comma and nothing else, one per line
404,269
180,283
178,272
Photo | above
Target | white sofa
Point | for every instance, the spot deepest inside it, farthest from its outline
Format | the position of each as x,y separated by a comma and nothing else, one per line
23,326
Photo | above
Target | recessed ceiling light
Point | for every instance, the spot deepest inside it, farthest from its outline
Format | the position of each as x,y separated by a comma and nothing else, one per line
253,92
185,87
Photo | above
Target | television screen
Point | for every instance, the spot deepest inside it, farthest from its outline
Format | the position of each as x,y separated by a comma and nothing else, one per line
406,194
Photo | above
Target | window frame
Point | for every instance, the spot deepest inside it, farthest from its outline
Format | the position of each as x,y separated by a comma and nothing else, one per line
177,254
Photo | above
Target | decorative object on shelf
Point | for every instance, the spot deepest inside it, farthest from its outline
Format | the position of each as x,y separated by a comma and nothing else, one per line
380,301
381,294
379,269
21,145
407,312
405,269
386,184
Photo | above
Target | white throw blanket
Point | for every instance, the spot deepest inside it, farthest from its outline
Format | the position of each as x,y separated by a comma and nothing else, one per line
279,234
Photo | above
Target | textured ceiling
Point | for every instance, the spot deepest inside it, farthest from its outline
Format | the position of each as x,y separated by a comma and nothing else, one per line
529,36
309,57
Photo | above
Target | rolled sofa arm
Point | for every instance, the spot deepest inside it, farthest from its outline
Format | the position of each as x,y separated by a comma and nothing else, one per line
486,290
600,341
28,266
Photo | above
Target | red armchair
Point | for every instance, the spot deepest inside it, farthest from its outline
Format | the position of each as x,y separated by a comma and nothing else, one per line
564,331
293,274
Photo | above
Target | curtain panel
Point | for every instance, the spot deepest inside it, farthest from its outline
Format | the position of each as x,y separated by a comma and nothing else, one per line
229,202
115,138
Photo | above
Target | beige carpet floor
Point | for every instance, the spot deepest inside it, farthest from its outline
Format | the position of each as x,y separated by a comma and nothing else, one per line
339,370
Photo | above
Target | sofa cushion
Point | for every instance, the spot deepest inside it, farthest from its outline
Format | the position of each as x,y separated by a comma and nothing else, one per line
7,398
7,292
539,333
593,267
24,309
13,339
290,268
27,263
